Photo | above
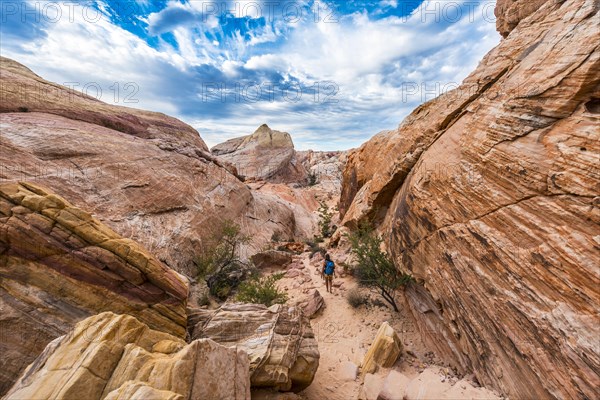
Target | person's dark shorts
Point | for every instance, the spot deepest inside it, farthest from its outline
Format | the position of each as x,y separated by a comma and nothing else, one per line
329,278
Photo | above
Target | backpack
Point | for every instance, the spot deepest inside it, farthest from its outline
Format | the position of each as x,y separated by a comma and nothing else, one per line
329,266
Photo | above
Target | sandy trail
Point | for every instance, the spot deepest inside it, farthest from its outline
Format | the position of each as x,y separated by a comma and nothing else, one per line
344,334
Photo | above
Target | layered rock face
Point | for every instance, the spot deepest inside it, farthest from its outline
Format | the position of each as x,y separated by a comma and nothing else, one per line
148,176
262,155
269,156
384,350
488,195
116,357
510,12
59,265
279,341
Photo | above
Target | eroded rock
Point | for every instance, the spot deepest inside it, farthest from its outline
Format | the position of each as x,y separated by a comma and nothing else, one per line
311,304
384,351
488,196
60,265
114,357
147,176
271,259
279,341
262,155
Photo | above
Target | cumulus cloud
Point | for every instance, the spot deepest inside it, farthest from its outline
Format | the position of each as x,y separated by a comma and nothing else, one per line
330,80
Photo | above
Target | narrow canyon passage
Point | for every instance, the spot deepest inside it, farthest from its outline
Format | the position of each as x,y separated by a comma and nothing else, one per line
344,335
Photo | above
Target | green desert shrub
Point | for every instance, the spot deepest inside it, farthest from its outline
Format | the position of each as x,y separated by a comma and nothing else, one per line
218,261
325,216
373,267
262,290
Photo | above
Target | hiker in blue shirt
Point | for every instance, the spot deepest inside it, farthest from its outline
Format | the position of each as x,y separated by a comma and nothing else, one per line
328,273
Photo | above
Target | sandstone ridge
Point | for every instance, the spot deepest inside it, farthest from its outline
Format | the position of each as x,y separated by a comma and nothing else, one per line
116,357
265,154
147,176
488,195
59,265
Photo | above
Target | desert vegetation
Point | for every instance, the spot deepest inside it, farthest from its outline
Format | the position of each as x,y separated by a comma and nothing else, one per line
374,268
219,263
262,290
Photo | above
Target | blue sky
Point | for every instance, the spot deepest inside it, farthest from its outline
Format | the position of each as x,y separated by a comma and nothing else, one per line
332,73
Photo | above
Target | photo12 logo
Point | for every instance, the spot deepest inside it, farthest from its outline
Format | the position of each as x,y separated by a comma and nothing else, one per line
111,92
270,11
253,92
52,12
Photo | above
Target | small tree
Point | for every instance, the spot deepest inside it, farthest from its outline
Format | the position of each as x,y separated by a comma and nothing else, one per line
374,268
219,263
262,291
325,216
221,249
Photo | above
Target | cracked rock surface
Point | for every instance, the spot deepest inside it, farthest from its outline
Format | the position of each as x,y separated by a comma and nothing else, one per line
279,340
116,357
59,265
488,195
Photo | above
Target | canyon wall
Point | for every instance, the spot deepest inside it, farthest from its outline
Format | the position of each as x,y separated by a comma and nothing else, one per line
489,196
59,265
148,176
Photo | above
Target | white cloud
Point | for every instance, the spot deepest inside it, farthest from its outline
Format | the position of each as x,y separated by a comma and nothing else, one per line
371,61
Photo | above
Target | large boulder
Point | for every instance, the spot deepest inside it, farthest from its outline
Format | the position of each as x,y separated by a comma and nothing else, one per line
311,304
271,259
58,265
488,196
384,351
279,341
263,155
116,357
148,176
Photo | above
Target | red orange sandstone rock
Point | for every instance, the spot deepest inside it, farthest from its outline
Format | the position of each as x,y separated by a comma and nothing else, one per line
488,195
146,175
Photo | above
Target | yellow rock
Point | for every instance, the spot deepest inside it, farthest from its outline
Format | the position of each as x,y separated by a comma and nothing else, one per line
384,350
138,390
115,357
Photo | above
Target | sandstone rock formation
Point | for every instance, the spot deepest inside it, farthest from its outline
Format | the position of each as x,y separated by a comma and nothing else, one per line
59,265
311,304
268,155
116,357
148,176
262,155
279,341
510,12
488,195
326,167
271,259
384,351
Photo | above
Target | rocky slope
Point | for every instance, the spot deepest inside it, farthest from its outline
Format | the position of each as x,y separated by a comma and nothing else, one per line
269,156
148,176
488,195
265,154
116,357
279,340
59,265
297,181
